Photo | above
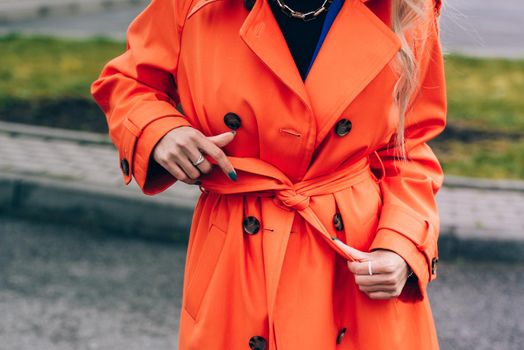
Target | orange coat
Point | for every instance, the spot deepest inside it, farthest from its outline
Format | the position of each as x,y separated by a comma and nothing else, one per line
313,161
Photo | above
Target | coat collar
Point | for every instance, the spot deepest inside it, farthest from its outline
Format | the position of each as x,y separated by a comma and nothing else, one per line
357,47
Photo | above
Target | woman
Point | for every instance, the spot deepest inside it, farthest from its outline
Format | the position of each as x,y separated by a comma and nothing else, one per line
317,224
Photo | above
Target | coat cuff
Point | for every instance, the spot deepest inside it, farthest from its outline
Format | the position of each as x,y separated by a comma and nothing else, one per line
151,177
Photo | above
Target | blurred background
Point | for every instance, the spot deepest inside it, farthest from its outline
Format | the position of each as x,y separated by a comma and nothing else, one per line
88,263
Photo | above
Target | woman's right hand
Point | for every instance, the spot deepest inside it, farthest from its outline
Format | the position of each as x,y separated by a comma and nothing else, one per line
181,147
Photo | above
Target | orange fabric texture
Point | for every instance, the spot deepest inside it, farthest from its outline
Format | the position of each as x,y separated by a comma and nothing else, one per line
304,175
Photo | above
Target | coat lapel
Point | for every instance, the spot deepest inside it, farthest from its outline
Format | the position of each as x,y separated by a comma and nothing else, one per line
357,47
261,33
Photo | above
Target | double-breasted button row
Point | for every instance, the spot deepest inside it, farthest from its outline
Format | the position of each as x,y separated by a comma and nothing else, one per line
341,334
337,222
232,120
343,127
434,262
251,225
257,343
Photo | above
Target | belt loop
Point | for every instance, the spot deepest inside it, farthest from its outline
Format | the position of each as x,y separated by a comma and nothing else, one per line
382,168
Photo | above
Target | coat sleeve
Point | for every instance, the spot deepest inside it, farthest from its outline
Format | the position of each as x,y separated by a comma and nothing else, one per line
409,220
138,94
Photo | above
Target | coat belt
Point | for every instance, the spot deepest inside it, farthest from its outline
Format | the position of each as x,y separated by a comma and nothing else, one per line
261,179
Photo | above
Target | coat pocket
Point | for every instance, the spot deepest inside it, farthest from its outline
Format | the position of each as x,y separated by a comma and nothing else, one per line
205,266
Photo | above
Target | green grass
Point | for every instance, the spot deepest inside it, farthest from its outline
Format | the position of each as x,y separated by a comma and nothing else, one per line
39,74
40,67
485,94
496,159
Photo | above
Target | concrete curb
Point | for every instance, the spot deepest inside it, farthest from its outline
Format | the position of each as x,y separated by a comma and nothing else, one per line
485,184
14,11
44,132
121,212
34,198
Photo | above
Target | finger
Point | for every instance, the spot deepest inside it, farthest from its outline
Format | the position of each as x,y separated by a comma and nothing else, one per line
177,172
185,164
223,139
378,288
194,155
377,267
381,295
218,155
355,253
382,279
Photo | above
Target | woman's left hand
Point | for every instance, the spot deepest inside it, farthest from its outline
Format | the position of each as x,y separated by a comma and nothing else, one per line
389,271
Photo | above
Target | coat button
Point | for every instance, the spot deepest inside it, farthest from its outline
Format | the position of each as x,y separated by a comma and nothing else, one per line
343,127
248,4
434,262
124,165
340,335
337,221
251,225
257,343
232,120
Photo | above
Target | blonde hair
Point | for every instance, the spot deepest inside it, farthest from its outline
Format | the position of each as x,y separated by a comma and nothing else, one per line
406,15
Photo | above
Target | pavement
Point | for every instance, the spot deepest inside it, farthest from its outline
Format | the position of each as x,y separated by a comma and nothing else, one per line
69,176
12,11
484,28
63,288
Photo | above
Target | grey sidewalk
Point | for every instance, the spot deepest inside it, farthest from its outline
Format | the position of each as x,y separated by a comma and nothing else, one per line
74,176
22,10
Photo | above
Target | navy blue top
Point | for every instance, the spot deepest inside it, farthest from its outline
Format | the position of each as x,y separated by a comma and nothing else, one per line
304,38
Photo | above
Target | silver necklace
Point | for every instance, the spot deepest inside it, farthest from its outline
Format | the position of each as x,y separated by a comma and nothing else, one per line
305,16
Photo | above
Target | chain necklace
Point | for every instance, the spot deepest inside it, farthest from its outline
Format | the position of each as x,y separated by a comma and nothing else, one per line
305,16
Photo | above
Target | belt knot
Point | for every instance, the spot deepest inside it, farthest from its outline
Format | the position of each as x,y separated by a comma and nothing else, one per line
290,198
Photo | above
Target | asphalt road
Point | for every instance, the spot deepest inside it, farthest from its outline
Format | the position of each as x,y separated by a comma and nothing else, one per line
64,288
474,27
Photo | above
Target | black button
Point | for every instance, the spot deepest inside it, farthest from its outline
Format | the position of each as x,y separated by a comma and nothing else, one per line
257,343
248,4
337,221
340,335
124,165
251,225
434,262
232,120
343,127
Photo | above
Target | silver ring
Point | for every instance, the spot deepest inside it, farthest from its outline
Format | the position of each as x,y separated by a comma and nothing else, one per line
199,160
369,268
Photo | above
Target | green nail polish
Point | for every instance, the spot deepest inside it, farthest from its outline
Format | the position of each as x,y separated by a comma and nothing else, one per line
233,175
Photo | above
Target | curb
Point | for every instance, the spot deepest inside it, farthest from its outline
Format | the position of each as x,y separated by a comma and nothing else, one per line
120,212
42,199
453,181
15,11
45,132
